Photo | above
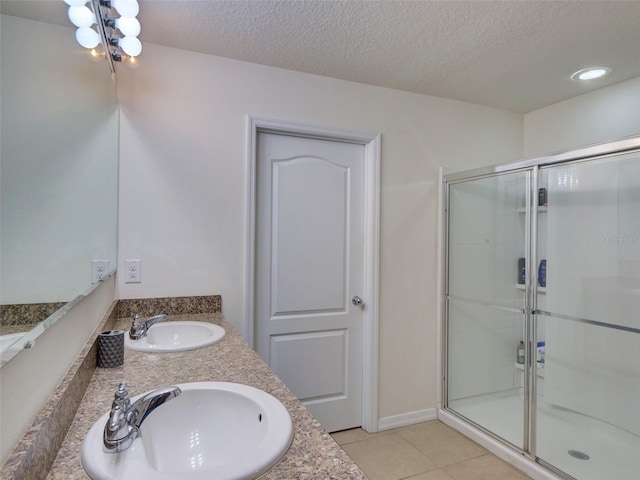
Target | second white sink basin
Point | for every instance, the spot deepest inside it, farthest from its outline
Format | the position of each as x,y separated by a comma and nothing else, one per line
213,430
176,337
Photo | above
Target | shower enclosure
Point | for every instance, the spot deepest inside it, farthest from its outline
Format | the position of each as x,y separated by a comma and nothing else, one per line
542,308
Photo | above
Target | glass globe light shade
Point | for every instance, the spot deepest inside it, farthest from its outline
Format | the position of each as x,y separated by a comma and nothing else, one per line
130,27
126,8
75,3
131,46
87,37
81,16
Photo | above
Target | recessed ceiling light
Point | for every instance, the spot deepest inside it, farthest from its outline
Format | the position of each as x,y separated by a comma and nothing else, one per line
591,73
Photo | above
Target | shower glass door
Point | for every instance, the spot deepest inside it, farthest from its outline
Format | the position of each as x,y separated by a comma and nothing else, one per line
488,227
588,402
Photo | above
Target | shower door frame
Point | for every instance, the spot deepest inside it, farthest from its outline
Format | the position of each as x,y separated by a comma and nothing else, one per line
527,308
531,165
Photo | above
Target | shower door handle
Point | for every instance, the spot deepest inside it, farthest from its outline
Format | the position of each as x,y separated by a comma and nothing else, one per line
357,301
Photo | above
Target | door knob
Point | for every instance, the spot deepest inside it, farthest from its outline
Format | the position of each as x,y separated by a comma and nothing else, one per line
357,301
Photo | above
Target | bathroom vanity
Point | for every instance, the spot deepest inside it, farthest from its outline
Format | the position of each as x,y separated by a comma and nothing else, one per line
313,453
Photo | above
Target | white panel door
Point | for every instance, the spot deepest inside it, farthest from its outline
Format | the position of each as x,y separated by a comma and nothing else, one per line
309,266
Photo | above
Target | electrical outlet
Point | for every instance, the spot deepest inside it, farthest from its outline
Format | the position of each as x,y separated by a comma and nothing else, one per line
99,270
132,271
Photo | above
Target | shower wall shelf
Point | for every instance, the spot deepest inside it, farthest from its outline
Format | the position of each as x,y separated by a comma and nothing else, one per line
539,368
542,290
540,209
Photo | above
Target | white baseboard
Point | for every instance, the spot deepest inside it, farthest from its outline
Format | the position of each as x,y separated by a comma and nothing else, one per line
409,418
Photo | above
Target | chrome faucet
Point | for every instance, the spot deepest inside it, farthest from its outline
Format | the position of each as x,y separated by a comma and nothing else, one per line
125,418
139,328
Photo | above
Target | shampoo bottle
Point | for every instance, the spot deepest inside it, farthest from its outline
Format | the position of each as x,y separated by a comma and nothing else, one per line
522,272
542,273
520,353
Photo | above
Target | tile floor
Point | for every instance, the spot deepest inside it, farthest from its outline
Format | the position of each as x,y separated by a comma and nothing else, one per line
425,451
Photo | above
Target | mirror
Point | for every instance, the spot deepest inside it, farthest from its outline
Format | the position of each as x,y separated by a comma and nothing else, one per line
58,172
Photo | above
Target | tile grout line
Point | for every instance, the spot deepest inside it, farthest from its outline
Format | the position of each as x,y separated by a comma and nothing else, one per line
443,469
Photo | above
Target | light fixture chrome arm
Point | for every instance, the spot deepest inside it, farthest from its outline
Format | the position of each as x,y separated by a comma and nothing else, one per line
100,21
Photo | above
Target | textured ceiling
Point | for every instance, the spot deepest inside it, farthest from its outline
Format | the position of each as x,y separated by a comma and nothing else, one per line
516,55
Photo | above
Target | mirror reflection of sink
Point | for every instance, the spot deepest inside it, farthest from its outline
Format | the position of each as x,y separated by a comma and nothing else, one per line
176,337
212,430
7,341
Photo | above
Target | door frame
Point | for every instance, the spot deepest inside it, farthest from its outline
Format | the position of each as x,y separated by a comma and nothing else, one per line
371,143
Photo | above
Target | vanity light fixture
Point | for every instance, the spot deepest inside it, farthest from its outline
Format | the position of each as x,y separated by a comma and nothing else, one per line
81,16
88,37
591,73
116,26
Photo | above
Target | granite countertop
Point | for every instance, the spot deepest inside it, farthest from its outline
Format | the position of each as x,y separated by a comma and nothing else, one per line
16,328
313,453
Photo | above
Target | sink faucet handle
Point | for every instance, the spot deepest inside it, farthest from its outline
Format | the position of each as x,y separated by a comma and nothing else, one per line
121,398
138,327
116,420
125,418
118,434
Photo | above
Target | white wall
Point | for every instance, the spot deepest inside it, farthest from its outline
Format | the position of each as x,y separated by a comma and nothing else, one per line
603,115
183,187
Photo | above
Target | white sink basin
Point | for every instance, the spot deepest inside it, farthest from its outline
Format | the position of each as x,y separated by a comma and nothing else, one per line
176,337
212,430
